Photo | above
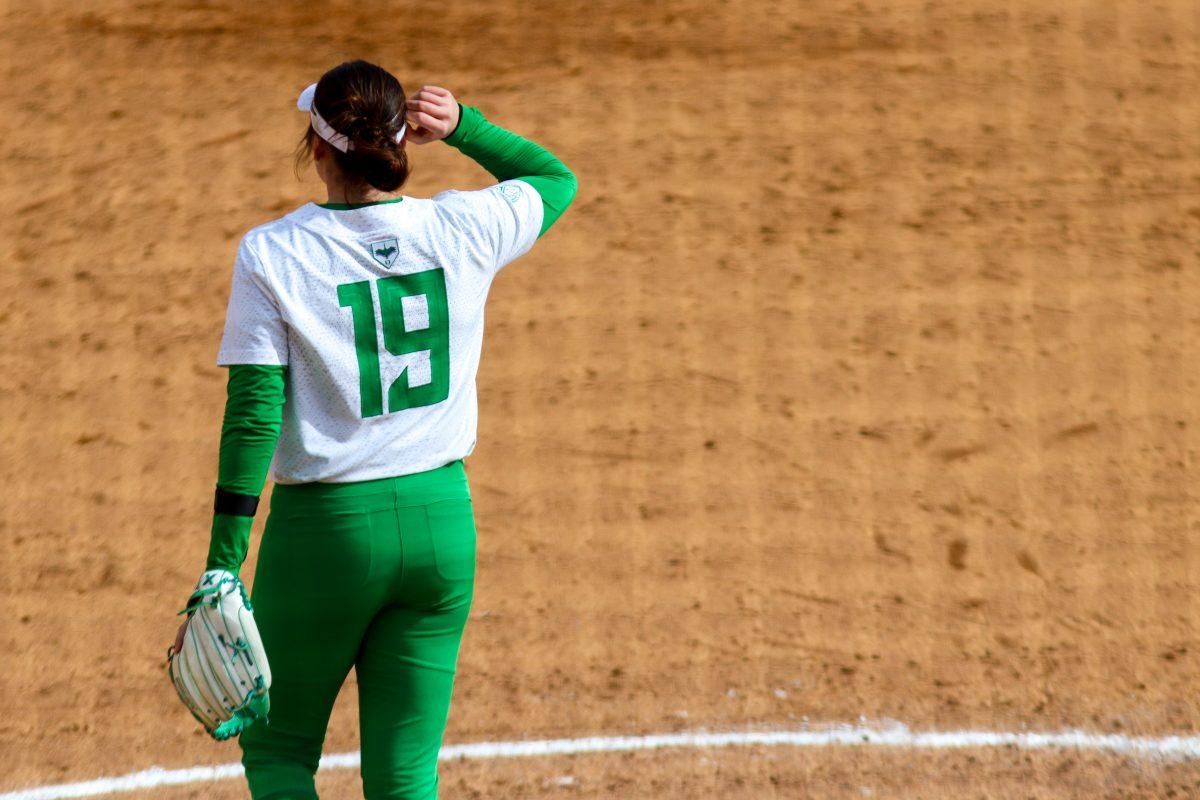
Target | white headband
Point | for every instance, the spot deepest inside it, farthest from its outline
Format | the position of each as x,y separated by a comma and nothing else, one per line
324,129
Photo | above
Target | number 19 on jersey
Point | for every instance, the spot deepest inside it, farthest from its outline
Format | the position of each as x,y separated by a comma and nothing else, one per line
399,339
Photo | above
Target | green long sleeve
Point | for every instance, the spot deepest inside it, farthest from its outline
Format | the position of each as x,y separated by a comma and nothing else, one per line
508,156
249,433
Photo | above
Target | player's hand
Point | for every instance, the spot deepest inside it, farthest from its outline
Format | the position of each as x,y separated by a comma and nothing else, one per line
432,115
177,645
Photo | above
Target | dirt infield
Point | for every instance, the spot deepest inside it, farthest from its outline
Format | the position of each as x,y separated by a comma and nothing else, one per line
859,381
752,775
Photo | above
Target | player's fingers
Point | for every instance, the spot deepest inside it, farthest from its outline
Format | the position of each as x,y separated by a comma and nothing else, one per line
426,94
433,99
423,120
428,106
425,105
436,90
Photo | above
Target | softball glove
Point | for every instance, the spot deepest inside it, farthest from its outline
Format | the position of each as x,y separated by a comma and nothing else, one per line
220,671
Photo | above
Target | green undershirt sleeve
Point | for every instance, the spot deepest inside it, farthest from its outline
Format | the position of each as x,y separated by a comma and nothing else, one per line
253,418
508,156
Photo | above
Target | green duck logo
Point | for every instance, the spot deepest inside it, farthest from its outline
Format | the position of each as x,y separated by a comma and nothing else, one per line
385,251
510,192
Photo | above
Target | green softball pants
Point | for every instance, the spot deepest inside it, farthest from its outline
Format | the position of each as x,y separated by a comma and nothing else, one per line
377,576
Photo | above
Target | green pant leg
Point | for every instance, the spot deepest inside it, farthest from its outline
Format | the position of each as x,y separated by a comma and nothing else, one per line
408,659
314,597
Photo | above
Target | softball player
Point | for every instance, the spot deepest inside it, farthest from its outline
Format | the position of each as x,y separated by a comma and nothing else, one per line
352,339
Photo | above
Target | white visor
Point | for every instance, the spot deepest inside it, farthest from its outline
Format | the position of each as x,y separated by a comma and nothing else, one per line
305,103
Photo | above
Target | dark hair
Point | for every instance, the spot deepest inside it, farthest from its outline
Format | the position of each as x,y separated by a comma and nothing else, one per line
365,103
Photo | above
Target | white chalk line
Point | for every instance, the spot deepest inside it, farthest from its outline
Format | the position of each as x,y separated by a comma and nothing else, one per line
892,735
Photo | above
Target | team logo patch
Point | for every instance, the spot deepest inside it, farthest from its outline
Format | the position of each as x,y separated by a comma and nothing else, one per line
385,251
510,193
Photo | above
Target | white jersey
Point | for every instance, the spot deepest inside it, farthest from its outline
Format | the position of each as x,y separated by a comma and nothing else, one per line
377,312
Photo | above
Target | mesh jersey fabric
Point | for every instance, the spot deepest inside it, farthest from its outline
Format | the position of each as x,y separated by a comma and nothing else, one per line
287,307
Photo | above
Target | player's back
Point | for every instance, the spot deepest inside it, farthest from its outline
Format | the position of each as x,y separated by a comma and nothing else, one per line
378,313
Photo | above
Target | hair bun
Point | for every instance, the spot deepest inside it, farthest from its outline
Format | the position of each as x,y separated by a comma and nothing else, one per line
366,103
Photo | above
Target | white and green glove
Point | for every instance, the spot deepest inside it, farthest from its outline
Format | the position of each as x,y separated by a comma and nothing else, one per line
219,667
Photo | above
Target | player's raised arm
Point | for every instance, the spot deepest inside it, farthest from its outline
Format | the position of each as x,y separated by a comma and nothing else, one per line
435,114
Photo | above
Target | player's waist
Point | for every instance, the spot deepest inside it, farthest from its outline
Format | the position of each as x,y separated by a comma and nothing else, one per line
444,483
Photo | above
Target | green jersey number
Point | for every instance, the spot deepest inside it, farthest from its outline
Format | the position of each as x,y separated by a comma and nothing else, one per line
434,338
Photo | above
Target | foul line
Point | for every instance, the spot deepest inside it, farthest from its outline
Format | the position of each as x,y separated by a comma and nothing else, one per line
893,736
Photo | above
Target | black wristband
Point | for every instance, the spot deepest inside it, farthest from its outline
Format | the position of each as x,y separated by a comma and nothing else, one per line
234,504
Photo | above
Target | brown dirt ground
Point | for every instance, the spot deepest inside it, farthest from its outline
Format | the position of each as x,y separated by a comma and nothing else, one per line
861,370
